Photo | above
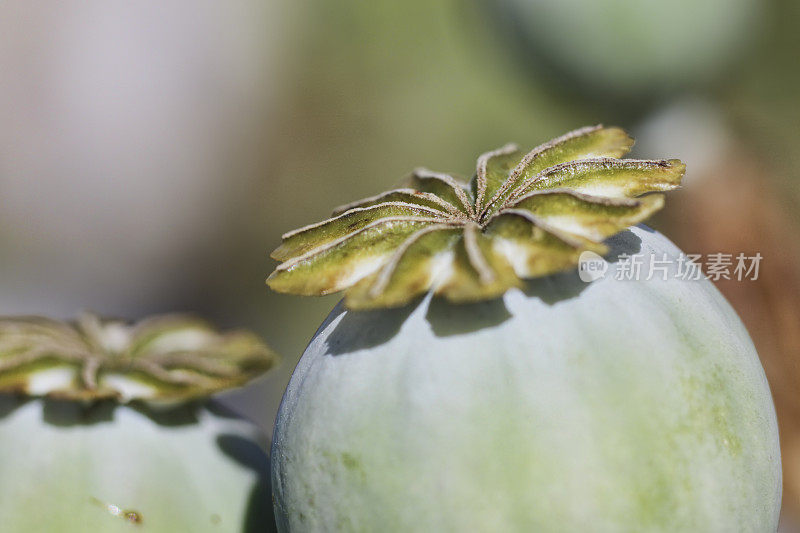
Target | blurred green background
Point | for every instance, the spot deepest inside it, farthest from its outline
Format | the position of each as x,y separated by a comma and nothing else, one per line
152,153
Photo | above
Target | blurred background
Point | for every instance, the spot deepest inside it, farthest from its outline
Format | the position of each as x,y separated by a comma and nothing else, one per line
153,152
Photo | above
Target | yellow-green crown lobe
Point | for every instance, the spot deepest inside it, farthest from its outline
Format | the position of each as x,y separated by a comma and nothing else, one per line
170,358
522,215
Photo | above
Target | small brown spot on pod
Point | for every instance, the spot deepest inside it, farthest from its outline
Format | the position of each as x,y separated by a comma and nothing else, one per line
133,517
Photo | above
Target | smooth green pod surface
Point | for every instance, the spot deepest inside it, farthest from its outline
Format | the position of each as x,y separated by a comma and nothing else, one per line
113,468
616,405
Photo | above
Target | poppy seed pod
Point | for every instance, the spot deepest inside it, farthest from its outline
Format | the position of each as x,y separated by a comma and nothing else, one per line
605,401
107,426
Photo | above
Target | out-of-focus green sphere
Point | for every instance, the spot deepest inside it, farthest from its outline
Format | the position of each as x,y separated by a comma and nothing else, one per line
626,47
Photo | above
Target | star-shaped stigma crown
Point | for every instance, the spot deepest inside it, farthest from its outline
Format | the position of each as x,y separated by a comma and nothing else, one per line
522,215
170,358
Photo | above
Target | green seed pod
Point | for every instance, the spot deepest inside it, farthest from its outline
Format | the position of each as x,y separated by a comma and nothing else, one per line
627,48
628,403
107,427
